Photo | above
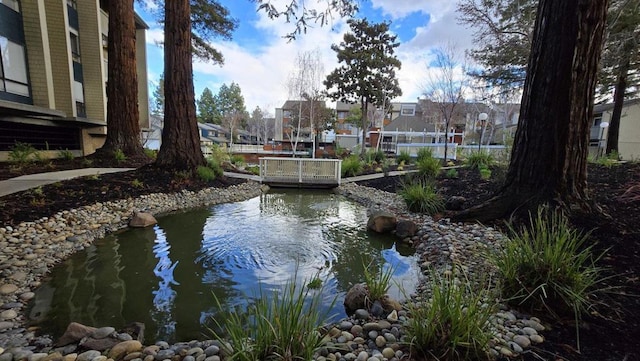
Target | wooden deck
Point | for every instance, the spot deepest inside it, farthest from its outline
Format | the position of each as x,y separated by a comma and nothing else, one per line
300,172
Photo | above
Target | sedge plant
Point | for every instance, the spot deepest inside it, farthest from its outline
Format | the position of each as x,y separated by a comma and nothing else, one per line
377,281
351,166
421,197
480,160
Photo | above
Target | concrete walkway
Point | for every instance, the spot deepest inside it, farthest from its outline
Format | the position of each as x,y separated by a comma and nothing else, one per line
22,183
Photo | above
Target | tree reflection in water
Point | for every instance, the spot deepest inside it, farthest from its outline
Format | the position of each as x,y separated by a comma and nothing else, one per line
164,296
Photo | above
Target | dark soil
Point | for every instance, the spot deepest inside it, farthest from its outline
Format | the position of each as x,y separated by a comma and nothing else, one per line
610,332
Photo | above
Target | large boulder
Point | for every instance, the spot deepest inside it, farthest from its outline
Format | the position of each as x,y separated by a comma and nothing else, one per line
74,333
406,228
356,298
455,203
142,219
382,222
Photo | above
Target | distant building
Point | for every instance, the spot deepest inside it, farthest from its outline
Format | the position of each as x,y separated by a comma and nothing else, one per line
629,138
53,74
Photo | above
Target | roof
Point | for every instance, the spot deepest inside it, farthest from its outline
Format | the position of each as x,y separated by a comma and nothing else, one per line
599,108
409,123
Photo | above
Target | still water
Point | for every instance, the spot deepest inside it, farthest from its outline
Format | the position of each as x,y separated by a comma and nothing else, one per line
167,276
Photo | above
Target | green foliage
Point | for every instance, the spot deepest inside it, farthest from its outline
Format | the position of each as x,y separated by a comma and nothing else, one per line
282,325
485,173
205,173
215,166
65,154
548,265
452,325
151,153
424,153
157,99
451,173
22,153
207,110
315,283
182,175
428,167
230,107
136,183
237,160
373,156
119,155
87,162
421,197
219,155
253,169
479,160
351,166
608,161
378,281
405,157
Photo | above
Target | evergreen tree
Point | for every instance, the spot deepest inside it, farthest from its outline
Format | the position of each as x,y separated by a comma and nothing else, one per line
368,71
207,110
157,98
230,105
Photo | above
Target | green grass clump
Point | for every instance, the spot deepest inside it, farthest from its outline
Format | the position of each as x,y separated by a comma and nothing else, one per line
452,325
237,160
151,153
547,265
65,154
119,155
378,282
253,169
281,326
451,173
405,157
136,183
424,153
421,197
479,160
485,173
351,166
428,167
22,153
205,173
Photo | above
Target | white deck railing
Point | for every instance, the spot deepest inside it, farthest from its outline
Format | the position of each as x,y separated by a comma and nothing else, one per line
300,171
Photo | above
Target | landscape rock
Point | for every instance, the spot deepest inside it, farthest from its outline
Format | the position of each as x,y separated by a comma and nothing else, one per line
382,222
406,228
74,333
356,298
142,220
455,203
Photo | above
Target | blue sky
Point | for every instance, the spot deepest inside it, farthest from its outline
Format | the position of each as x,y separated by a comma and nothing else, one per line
260,60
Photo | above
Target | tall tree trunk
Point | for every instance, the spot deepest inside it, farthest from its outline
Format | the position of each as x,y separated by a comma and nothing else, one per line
618,101
180,147
123,128
548,160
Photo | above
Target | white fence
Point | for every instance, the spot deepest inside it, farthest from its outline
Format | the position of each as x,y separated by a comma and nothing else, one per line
499,152
300,171
437,149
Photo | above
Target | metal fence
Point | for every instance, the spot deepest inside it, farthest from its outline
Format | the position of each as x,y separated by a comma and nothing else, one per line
300,171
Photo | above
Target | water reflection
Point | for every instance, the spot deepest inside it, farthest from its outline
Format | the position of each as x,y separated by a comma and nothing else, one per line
167,276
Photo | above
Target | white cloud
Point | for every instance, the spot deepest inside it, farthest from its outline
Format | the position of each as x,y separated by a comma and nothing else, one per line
398,9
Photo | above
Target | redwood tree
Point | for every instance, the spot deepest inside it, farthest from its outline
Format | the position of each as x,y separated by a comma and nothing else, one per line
180,147
123,125
549,156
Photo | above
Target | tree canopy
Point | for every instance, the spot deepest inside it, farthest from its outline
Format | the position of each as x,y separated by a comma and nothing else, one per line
207,108
367,70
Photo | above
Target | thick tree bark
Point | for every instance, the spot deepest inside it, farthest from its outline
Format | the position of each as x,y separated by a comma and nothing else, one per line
618,101
548,160
180,147
123,128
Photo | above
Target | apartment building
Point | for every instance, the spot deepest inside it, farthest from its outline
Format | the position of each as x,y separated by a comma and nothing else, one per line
53,73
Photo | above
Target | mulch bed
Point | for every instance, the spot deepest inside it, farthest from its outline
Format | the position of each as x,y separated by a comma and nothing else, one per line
610,332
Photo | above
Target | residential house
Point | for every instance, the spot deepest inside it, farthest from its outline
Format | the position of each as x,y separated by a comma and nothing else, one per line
53,72
293,120
629,138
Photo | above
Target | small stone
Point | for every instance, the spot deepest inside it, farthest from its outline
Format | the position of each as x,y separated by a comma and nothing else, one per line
536,338
8,288
361,314
212,350
120,350
142,219
363,356
103,332
393,316
381,341
4,325
356,330
515,347
345,325
27,296
88,355
506,352
522,341
37,356
388,353
164,355
371,326
55,356
529,331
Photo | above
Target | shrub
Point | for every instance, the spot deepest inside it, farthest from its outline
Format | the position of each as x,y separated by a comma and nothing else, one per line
404,156
428,167
22,153
151,153
485,173
280,326
451,173
65,154
479,160
253,169
424,153
547,265
219,155
452,325
205,173
421,197
237,159
378,282
215,166
119,155
351,166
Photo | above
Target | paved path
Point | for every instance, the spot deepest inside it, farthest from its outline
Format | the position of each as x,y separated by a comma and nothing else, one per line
29,181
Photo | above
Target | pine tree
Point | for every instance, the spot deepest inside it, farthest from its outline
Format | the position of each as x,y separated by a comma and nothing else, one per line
207,110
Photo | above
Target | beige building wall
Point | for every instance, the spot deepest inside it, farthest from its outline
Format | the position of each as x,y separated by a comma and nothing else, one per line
34,20
60,53
629,139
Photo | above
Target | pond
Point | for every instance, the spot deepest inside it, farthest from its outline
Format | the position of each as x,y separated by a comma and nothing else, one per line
166,276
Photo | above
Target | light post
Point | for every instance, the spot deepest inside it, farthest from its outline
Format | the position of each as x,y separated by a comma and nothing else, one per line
482,117
601,144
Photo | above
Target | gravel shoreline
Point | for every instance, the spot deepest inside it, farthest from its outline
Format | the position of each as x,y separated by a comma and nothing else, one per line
32,248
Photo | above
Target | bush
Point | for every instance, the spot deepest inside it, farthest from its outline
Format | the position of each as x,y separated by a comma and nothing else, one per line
421,197
280,326
547,265
485,173
22,153
151,153
237,160
452,173
119,155
452,325
351,166
65,154
424,153
405,157
219,155
428,167
479,160
253,169
205,173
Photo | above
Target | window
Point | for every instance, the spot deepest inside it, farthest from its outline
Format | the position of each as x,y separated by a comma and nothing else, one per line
408,110
11,4
81,111
71,3
13,68
75,47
